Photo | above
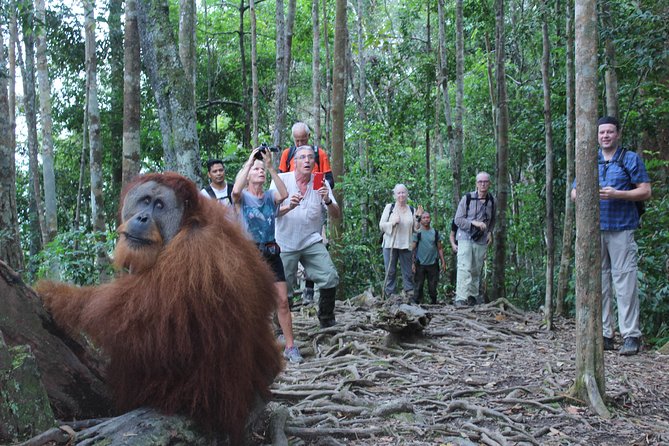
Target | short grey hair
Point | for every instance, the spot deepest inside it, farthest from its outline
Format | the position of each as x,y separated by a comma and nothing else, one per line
300,126
397,186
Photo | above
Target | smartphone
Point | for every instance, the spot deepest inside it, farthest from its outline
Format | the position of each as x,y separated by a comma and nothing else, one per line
318,180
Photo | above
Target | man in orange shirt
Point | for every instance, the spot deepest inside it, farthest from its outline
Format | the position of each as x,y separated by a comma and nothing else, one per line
301,135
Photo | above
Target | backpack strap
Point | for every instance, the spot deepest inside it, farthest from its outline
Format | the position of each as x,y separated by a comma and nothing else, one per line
210,191
291,155
229,192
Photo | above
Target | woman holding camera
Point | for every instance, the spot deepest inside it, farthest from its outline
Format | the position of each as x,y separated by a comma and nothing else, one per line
258,210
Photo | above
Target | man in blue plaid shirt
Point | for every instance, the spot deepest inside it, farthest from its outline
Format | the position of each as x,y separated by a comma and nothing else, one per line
623,181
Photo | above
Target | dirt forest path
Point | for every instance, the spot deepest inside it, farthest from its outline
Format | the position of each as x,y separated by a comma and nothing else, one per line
486,375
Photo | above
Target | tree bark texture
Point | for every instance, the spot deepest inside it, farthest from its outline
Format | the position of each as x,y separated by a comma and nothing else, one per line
246,137
589,381
131,94
498,290
172,90
281,92
48,171
610,76
316,73
338,99
71,371
10,242
94,140
116,60
458,137
328,78
254,73
442,78
568,228
30,107
548,130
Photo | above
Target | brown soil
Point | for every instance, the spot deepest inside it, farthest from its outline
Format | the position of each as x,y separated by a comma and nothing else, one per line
487,375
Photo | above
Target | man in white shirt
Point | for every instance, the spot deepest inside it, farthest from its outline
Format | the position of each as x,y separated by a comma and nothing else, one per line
218,188
298,232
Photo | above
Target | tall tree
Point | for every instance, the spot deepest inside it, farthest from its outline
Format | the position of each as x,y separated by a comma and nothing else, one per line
173,92
498,288
284,40
116,59
254,73
246,136
568,228
338,99
442,79
131,94
548,130
458,146
363,143
30,108
50,214
610,76
10,242
589,384
328,78
187,40
316,72
94,140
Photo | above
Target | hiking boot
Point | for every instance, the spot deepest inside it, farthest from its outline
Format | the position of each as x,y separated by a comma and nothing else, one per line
471,301
630,346
292,354
609,344
307,296
327,323
460,304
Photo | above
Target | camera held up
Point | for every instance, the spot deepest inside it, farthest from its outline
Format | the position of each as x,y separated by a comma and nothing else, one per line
264,148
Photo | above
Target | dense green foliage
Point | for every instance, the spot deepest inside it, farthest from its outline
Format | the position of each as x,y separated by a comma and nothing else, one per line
401,51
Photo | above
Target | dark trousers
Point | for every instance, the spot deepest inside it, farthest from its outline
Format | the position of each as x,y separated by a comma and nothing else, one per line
431,273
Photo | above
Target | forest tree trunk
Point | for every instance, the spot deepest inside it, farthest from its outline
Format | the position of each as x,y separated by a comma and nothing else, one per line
338,99
498,286
29,104
50,214
459,138
94,141
568,229
10,242
254,73
316,73
115,120
173,92
589,383
610,76
550,212
131,94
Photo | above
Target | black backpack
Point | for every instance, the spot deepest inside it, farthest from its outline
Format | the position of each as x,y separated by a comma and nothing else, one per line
212,194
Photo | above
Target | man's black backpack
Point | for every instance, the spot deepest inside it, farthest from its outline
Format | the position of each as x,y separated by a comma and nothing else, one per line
640,205
212,194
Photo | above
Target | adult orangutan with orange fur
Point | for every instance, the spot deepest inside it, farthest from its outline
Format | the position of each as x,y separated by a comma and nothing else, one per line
187,322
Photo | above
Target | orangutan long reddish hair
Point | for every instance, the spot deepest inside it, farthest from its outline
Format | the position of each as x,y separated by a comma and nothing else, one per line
187,326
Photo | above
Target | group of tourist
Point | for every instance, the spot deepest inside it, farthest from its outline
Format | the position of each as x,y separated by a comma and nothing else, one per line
624,184
286,222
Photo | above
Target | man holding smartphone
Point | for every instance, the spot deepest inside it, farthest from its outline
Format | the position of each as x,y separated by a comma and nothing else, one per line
301,133
298,231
